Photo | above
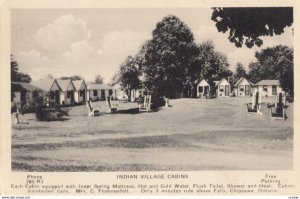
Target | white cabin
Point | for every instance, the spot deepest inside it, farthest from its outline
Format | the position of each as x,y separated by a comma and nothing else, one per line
222,88
242,87
203,88
267,87
67,91
80,93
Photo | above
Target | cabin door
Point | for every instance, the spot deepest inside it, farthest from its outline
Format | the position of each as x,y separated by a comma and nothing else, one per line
72,96
103,94
247,89
206,89
226,90
56,97
83,95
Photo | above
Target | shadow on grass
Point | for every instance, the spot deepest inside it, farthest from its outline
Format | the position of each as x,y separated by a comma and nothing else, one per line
129,111
21,127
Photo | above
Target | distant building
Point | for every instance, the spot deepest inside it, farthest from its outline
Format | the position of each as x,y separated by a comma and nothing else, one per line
22,93
80,93
242,87
49,87
203,88
267,87
67,91
100,91
222,88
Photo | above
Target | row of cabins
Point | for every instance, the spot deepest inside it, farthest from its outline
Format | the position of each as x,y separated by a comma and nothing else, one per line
242,87
62,92
67,92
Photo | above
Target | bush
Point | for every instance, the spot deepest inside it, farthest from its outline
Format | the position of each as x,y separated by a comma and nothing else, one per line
44,111
157,101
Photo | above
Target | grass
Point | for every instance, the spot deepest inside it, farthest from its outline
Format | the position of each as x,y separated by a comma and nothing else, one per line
193,134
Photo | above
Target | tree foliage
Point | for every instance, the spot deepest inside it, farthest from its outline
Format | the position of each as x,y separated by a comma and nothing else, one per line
240,72
73,77
170,58
99,79
274,63
49,76
17,76
246,25
214,64
129,75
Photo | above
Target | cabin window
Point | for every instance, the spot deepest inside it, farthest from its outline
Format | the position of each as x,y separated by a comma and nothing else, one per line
81,93
110,92
221,88
68,94
242,88
200,89
265,88
95,92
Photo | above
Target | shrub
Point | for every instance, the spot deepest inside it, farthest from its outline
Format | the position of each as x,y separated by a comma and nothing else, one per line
45,111
157,101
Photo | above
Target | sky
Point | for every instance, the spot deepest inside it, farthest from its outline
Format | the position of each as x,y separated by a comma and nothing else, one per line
87,42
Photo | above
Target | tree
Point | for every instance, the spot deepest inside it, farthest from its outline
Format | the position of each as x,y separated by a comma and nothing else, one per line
99,79
240,72
115,79
255,74
129,75
215,64
49,76
246,25
17,76
73,78
275,63
169,58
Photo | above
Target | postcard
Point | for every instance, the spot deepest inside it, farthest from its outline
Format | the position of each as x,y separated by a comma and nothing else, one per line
149,97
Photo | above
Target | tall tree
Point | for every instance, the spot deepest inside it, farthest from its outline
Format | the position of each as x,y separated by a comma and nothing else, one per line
275,63
247,25
99,79
17,76
169,57
214,64
129,75
240,72
255,72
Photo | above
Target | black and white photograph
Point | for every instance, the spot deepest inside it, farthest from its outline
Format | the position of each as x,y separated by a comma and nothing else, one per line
152,89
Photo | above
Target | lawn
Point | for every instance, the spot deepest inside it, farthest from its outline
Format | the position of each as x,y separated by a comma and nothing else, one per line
193,134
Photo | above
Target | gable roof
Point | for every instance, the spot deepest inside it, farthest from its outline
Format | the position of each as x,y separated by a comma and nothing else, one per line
199,81
44,84
23,86
240,80
218,82
268,82
98,87
64,84
78,83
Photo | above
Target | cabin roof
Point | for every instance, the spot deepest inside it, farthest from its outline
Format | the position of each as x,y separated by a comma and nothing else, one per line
64,83
240,80
268,82
44,84
98,87
78,83
23,86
